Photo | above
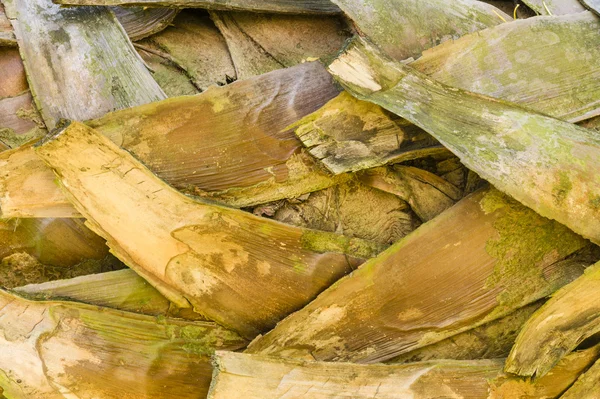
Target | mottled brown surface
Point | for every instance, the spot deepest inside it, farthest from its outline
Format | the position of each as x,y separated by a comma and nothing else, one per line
80,63
39,250
96,352
545,163
240,376
305,37
352,209
227,137
428,194
567,319
476,262
238,269
229,144
12,78
196,48
18,116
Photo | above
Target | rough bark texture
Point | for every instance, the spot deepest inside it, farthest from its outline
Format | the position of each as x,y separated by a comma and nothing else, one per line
553,384
478,261
509,62
405,28
140,22
137,22
489,341
18,115
352,209
264,377
349,135
7,37
240,270
545,163
195,46
166,71
79,61
263,43
428,194
294,39
121,289
66,349
19,120
274,6
249,58
569,317
543,63
254,159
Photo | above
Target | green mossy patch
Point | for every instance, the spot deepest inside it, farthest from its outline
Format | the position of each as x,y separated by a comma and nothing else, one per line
14,140
525,244
199,340
322,242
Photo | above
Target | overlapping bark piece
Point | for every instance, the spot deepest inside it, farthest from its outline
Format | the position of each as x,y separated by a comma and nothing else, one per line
17,111
167,73
141,22
264,377
38,250
405,28
238,269
293,39
67,349
508,61
352,209
7,37
545,163
18,115
543,63
196,47
61,242
555,7
569,317
478,261
428,194
553,384
263,43
349,135
121,289
79,61
252,160
19,120
249,58
490,341
33,194
271,6
587,385
494,339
